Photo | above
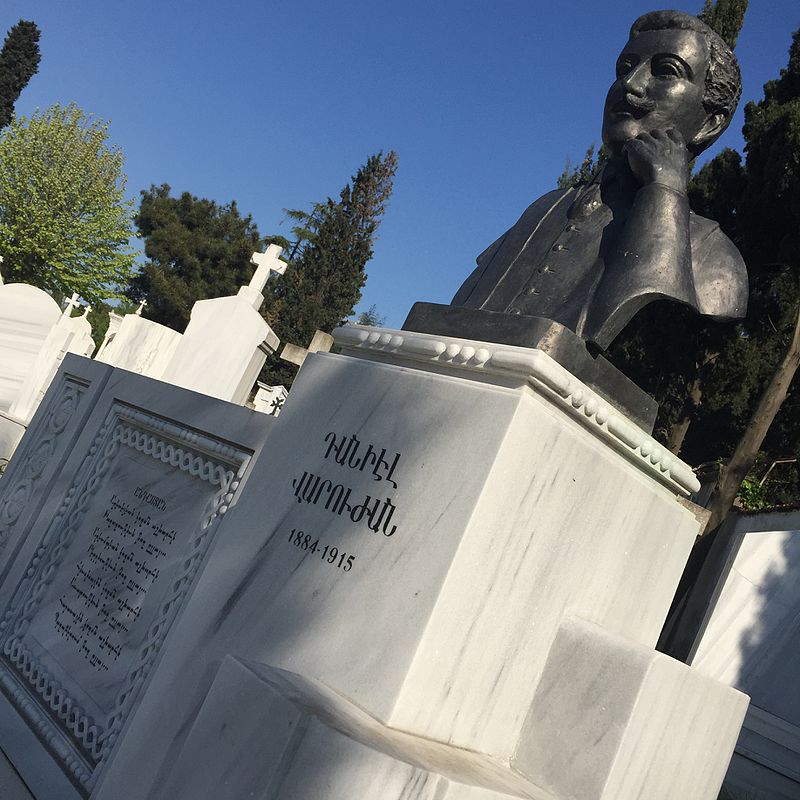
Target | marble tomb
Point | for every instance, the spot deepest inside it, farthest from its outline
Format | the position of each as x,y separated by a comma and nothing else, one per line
443,576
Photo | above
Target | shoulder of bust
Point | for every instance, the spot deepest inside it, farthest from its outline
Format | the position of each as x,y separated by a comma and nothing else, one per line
719,271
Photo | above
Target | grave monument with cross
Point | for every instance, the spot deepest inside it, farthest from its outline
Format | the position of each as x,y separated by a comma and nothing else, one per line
227,340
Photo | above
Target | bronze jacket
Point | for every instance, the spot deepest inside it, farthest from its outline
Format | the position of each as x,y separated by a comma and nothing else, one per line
591,257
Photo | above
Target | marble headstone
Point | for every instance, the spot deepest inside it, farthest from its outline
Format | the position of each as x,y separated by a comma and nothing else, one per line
27,315
140,345
751,641
100,557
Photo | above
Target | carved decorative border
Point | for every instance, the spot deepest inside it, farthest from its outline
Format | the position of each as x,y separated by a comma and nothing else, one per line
82,743
21,484
539,370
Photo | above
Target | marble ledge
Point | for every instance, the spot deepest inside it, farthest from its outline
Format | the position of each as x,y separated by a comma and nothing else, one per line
541,372
478,770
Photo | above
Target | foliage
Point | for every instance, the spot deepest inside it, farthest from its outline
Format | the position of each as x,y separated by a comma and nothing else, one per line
585,171
19,61
371,317
98,317
726,17
64,220
327,261
195,248
752,495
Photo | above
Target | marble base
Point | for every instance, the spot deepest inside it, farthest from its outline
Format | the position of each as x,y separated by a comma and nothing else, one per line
515,499
611,720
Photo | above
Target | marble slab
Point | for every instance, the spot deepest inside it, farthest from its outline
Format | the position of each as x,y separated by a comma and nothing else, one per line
612,719
112,544
27,315
751,641
222,349
68,335
320,748
141,346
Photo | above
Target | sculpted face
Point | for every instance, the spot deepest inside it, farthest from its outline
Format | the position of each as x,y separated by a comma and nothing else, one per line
660,84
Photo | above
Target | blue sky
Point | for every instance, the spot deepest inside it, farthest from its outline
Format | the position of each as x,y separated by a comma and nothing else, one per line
276,104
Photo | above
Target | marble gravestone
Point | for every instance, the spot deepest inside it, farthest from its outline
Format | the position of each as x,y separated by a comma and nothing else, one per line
443,577
227,341
750,639
139,345
27,315
107,513
69,335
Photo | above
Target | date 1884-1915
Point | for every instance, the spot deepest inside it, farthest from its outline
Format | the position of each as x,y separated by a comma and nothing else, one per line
332,555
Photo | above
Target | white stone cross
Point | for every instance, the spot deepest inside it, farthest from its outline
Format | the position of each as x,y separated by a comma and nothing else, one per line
265,264
139,310
86,311
71,303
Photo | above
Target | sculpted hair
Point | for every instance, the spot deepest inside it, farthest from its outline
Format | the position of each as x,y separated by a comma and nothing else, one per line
723,79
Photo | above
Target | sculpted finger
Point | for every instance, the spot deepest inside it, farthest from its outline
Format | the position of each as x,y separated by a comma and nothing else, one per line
676,136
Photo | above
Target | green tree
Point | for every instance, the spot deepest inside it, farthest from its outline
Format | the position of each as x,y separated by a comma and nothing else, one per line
582,173
726,17
371,317
64,220
195,248
327,261
19,61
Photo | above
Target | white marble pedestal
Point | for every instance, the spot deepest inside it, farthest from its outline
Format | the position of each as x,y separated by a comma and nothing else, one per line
456,564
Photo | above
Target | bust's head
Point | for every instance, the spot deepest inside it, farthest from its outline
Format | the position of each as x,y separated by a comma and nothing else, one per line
674,72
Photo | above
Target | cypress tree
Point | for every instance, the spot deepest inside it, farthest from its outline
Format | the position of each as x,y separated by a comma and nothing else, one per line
327,260
19,61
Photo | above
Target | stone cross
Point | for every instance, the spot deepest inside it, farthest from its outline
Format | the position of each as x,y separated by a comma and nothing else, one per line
139,310
294,354
71,303
86,311
265,264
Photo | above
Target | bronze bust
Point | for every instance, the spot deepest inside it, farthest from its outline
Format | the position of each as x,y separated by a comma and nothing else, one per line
590,258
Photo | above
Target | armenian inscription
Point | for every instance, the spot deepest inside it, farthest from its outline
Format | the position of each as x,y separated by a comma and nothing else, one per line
115,577
375,510
105,595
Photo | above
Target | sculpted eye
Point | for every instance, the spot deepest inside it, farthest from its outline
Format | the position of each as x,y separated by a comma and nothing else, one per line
624,66
667,68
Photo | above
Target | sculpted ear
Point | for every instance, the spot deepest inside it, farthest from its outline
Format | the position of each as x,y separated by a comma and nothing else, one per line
711,128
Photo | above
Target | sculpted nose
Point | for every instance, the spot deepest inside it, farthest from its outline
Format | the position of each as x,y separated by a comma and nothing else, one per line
635,81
